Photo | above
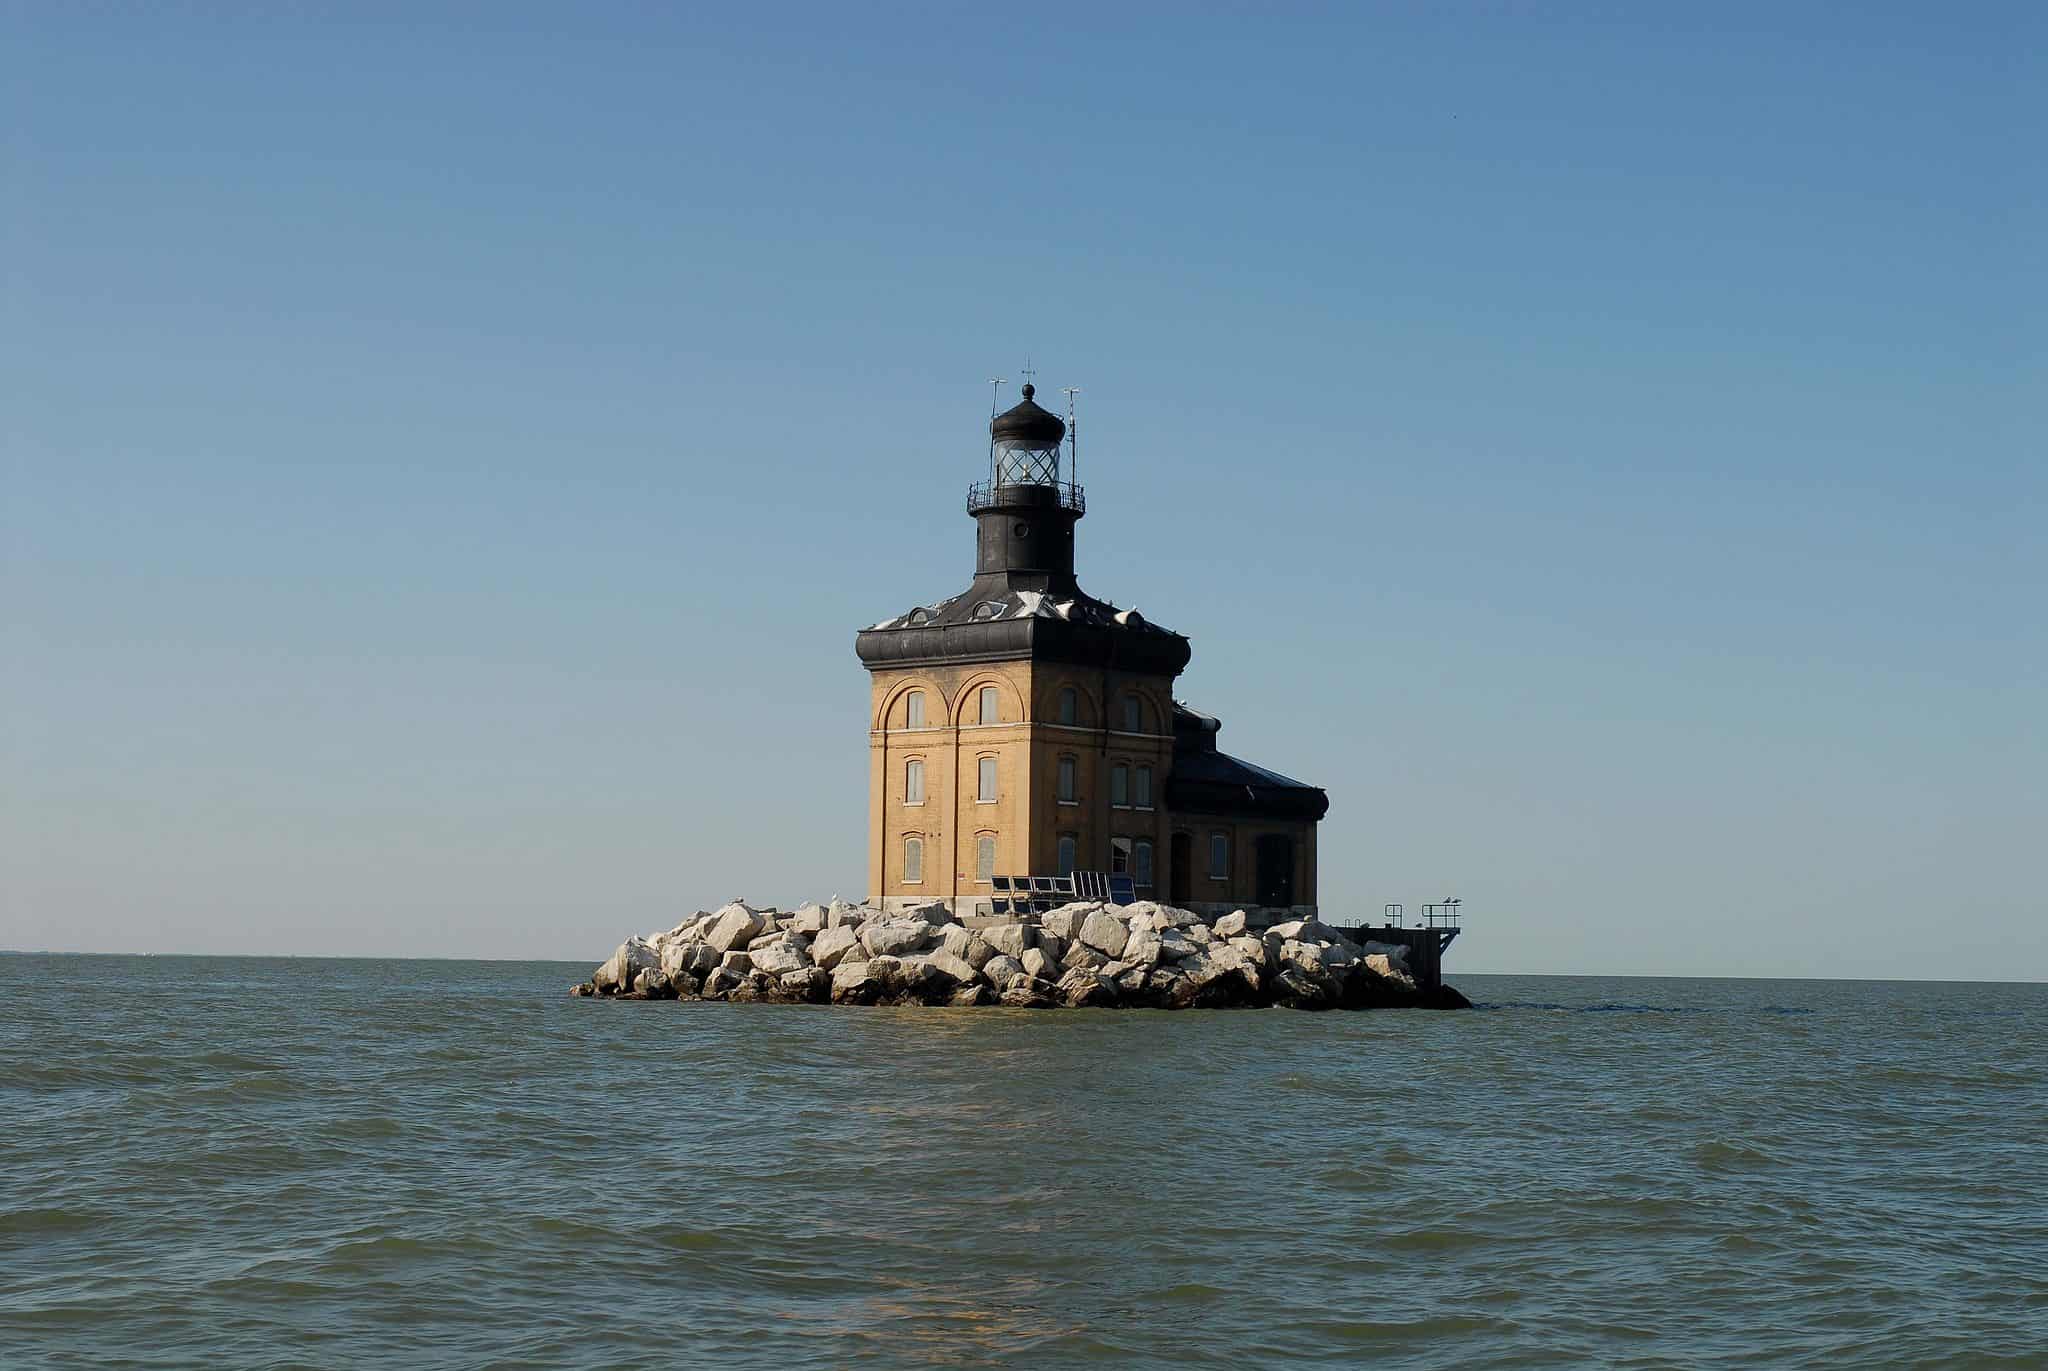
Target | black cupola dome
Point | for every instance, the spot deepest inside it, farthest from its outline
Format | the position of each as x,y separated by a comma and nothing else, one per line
1027,425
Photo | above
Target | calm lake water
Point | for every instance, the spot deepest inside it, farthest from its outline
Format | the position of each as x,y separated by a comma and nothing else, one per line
252,1162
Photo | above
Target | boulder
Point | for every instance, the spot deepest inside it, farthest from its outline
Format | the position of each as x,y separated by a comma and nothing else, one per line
780,957
1032,996
924,983
1065,922
733,926
896,937
807,919
1297,990
653,984
829,947
1393,952
1175,945
719,984
737,963
754,987
1231,960
935,913
1001,969
1083,956
1105,932
1083,989
853,983
1199,935
810,984
1306,958
1144,946
1012,940
957,969
966,944
1285,931
840,914
1255,951
971,996
1050,944
634,956
1388,970
1038,964
583,988
1231,925
680,959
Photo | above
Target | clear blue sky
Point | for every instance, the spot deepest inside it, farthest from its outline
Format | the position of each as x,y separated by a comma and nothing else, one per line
448,450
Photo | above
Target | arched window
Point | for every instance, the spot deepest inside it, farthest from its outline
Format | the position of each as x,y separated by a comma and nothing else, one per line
913,709
1141,863
913,781
985,857
991,706
913,860
985,793
1070,705
1120,786
1068,846
1119,856
1219,855
1134,714
1070,786
1142,793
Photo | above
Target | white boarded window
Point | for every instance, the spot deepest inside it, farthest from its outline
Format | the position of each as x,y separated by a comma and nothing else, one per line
986,792
913,859
1134,714
1119,856
1069,779
1219,855
913,782
985,857
1120,786
913,709
1143,793
1141,863
1070,705
1068,848
991,710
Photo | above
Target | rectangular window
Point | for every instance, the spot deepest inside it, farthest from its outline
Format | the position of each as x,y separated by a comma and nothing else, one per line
1134,714
1069,784
1119,856
1141,863
913,783
985,857
987,791
913,860
1219,855
991,712
913,709
1144,788
1070,706
1120,786
1068,846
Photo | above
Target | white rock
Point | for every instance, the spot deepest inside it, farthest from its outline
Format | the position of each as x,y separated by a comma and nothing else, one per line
1105,932
736,964
1196,933
808,919
735,925
831,946
780,957
1143,949
1231,925
634,956
1174,945
1038,964
935,914
1255,951
966,944
1001,969
1387,969
1065,922
1050,944
1012,940
962,971
895,937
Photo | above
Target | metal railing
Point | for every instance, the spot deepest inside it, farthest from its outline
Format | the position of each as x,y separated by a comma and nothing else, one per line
987,494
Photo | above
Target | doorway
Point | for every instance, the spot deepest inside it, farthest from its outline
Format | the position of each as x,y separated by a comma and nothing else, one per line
1275,863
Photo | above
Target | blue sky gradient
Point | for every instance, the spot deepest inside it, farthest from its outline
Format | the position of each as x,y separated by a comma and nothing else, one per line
447,455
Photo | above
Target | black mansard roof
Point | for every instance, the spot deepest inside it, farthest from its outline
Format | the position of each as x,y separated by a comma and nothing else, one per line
991,623
1205,781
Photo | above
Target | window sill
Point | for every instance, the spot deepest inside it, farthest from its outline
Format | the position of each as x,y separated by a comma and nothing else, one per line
1068,804
988,802
913,804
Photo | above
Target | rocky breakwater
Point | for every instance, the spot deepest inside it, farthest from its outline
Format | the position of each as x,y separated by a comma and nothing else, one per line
1084,955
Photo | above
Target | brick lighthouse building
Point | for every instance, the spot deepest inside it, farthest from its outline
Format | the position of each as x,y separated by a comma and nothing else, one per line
1023,727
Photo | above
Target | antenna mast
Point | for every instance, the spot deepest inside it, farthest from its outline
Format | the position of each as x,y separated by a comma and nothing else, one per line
1073,439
